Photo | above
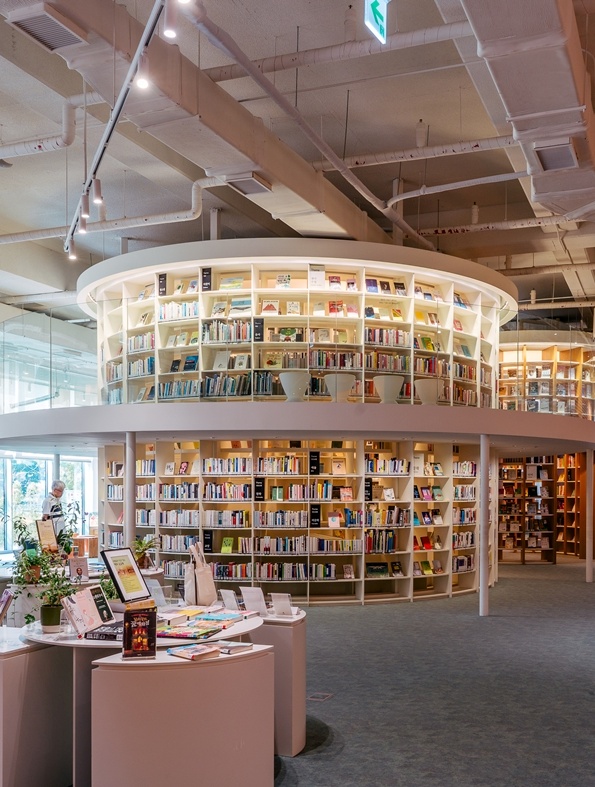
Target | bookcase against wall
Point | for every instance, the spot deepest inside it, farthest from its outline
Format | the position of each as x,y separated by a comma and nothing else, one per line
329,520
525,510
540,373
570,515
227,330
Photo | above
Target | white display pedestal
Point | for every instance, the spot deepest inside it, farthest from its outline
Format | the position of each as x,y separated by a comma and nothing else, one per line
295,384
170,721
339,385
84,653
36,714
388,386
288,637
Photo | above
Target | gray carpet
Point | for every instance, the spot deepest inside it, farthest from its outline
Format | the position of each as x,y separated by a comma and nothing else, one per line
429,693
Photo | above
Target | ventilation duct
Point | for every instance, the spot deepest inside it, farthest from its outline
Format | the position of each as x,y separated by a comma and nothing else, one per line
556,154
46,26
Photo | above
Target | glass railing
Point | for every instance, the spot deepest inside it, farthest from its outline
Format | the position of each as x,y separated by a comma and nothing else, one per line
46,362
139,357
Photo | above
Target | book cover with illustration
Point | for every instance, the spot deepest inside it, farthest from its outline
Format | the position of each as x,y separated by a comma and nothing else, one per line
139,638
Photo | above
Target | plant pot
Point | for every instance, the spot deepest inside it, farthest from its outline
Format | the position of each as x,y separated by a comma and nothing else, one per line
339,386
50,618
427,390
295,384
388,386
32,575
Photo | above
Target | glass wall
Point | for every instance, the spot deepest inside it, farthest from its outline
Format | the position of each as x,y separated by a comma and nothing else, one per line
25,480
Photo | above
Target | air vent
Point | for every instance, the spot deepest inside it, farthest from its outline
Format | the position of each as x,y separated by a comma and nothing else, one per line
557,154
46,26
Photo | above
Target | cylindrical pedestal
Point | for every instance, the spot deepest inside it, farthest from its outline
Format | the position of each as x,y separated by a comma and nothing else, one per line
339,385
427,390
295,383
388,386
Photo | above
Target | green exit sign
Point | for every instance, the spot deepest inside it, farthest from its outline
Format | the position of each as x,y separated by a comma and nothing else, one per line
375,18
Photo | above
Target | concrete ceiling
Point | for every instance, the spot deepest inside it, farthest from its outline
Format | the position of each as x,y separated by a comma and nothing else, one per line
362,107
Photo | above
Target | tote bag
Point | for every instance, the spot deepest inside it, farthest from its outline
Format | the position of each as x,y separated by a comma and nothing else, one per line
199,586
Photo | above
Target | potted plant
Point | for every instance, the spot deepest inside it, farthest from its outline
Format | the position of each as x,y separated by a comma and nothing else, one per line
141,548
54,586
26,576
23,533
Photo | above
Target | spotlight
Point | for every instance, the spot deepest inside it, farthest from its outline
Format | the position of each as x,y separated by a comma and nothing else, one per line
97,195
85,206
82,226
71,250
142,75
474,213
170,19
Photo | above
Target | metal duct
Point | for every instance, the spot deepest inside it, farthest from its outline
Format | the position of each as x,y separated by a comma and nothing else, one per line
550,106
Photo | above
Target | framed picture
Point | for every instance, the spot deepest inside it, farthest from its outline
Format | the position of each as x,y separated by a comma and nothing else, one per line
183,468
125,574
47,535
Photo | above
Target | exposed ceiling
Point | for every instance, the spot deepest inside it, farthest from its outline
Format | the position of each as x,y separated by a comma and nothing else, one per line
514,72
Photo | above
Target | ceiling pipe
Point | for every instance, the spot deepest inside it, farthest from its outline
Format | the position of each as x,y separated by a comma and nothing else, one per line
532,307
425,152
27,147
461,184
125,222
488,226
65,297
346,51
543,270
223,41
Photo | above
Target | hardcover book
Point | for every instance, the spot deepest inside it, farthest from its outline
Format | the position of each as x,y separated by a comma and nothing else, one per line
190,363
293,307
87,609
219,309
426,567
384,287
221,360
334,282
139,638
231,282
196,652
240,307
283,280
371,285
269,307
397,568
376,570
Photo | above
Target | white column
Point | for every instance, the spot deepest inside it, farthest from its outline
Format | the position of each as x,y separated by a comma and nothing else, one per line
589,517
55,468
130,489
484,523
215,224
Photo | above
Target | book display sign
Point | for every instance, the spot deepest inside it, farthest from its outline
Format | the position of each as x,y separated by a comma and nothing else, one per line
314,462
47,535
206,277
125,574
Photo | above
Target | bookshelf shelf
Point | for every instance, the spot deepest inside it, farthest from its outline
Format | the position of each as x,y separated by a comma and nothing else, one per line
525,509
316,323
366,533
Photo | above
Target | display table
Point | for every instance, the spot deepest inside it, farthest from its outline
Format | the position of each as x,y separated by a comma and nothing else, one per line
288,636
165,721
35,715
84,653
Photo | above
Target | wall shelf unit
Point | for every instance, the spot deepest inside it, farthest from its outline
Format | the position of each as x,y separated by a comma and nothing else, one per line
329,520
526,510
539,372
223,328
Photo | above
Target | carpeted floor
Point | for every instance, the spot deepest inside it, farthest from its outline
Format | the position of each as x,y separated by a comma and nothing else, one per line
429,693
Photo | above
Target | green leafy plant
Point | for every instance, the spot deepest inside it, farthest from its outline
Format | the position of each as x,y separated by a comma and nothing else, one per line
108,587
28,568
54,584
71,514
141,548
